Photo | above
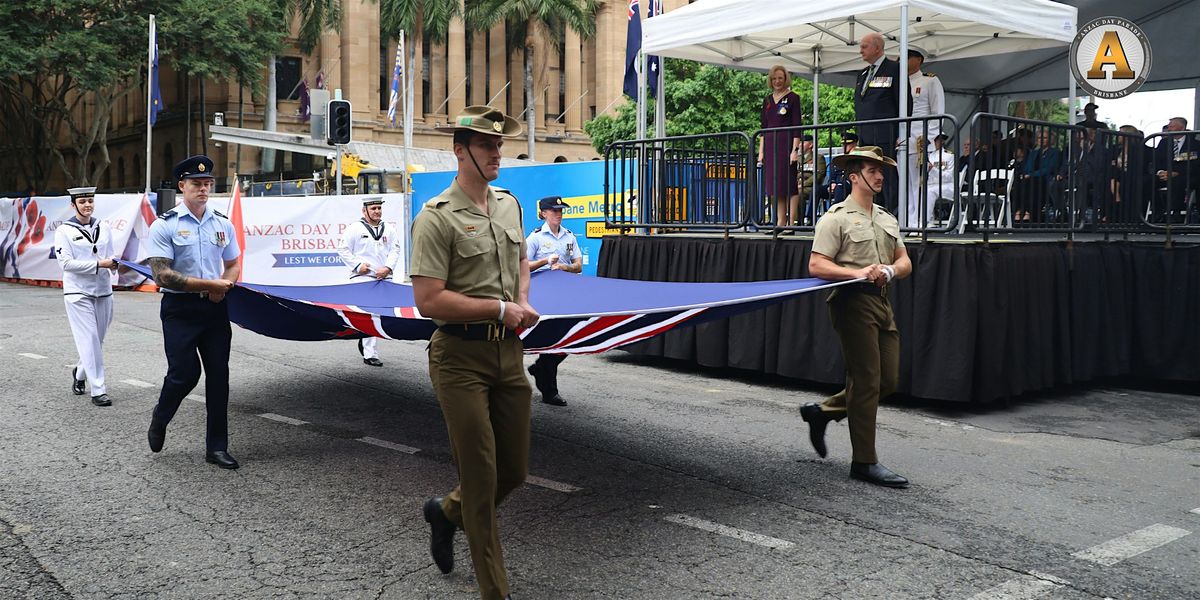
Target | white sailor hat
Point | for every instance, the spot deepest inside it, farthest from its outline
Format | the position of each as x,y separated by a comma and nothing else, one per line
372,201
918,51
81,192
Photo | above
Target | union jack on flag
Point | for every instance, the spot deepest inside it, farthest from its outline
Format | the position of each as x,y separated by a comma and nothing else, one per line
580,315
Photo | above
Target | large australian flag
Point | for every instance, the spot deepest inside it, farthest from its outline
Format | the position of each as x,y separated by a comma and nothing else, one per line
633,44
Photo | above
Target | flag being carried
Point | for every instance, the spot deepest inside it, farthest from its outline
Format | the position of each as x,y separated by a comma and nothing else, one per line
394,101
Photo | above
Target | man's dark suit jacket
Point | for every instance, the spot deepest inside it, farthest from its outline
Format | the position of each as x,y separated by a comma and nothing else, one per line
879,103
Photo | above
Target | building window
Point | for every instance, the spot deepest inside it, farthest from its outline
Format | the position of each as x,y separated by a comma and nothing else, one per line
168,160
287,78
121,173
387,62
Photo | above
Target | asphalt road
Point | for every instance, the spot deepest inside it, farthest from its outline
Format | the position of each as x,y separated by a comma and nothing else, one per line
657,482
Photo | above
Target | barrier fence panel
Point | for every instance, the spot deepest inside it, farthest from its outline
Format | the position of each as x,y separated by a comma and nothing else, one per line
1027,175
678,183
792,192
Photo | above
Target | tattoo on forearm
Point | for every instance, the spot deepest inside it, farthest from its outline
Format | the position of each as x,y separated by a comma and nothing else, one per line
165,276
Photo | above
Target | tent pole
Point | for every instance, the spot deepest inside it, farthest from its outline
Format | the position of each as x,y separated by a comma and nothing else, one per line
902,156
660,105
1070,94
641,99
816,95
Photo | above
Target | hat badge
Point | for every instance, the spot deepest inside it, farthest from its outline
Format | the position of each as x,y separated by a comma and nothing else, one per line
497,126
200,167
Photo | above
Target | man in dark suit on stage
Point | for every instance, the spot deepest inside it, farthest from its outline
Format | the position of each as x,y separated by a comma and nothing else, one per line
876,96
1176,171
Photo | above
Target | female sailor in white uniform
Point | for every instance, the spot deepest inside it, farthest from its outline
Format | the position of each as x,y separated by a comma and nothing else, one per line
83,246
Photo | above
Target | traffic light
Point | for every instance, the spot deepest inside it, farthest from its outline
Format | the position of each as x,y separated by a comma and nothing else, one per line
337,122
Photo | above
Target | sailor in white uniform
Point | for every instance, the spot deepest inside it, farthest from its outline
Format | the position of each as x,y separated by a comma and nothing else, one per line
928,99
371,247
83,246
939,182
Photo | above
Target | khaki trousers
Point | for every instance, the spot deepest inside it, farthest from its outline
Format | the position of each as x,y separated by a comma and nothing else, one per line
485,398
871,349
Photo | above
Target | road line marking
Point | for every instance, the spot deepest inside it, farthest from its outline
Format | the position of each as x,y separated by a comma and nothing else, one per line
565,488
195,397
1131,544
137,383
389,445
32,355
1017,589
283,419
725,530
1195,510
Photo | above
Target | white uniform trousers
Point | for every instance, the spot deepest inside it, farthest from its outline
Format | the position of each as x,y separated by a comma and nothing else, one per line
89,318
370,347
910,216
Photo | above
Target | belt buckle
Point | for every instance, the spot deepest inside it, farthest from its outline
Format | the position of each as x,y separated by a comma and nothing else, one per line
495,332
204,295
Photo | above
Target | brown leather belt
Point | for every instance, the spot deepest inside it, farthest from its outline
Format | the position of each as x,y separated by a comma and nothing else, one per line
476,332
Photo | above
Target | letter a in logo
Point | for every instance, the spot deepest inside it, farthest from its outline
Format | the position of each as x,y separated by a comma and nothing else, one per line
1111,53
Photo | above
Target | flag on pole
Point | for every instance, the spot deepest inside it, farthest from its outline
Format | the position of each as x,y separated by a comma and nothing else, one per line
633,45
319,84
394,101
156,103
305,101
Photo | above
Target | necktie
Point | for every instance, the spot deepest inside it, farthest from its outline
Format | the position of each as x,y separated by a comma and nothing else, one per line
867,81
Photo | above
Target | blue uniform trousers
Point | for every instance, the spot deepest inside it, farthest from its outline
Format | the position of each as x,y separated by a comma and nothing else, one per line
196,331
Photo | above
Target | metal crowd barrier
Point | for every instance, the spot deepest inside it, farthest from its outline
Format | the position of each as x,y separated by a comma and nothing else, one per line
694,182
925,169
1026,175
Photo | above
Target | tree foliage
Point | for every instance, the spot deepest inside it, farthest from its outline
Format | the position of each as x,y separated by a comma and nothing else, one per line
65,63
1051,109
708,99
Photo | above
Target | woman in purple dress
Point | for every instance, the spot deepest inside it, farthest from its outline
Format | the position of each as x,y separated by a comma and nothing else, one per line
779,151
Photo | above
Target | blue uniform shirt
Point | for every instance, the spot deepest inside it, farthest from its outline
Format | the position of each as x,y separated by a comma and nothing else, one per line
542,243
196,248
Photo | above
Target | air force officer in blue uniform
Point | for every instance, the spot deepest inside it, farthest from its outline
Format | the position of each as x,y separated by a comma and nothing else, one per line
551,247
194,256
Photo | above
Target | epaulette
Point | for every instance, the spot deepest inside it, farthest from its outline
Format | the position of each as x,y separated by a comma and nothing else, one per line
928,74
537,230
500,190
837,207
168,214
436,201
566,230
218,213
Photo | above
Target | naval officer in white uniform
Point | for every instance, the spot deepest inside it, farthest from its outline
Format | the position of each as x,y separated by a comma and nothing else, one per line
928,99
83,246
371,247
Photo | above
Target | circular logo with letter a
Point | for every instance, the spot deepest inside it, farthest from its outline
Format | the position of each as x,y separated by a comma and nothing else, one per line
1110,57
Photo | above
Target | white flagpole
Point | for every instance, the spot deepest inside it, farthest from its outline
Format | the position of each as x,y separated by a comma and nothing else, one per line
406,100
149,101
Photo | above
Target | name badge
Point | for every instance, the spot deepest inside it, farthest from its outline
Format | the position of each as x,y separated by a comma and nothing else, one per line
880,82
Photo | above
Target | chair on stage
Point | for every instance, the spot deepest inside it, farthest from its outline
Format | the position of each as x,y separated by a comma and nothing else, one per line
988,197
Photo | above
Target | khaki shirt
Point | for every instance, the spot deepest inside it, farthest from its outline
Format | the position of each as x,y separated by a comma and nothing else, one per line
477,255
856,239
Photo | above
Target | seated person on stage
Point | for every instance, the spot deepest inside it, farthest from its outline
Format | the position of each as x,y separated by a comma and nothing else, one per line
812,174
939,182
839,187
1176,171
1041,166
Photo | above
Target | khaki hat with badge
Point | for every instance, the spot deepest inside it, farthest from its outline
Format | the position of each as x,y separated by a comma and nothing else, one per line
485,119
868,153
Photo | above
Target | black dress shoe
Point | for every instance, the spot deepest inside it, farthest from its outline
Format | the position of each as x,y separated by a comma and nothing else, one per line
101,400
441,535
374,362
222,459
554,400
877,474
157,436
817,420
76,384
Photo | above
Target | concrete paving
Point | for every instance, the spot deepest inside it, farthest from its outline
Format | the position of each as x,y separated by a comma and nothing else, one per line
658,481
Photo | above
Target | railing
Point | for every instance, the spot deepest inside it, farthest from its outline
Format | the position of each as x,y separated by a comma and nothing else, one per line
1028,175
925,170
997,175
678,183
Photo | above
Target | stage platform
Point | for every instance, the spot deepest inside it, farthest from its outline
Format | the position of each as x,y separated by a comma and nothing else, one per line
979,322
